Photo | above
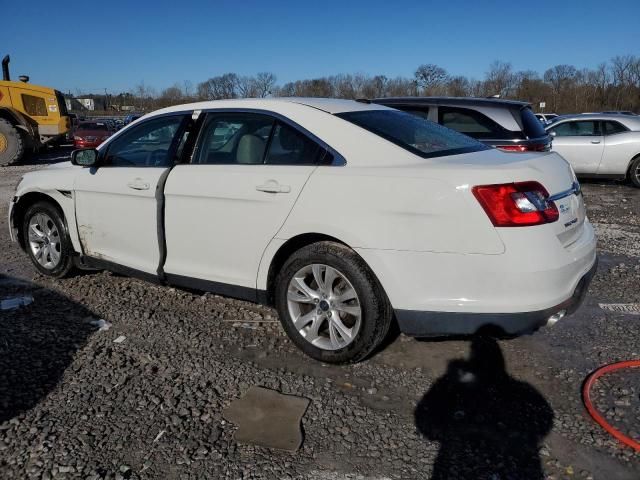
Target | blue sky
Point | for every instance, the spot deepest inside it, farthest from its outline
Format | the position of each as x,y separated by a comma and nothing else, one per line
92,45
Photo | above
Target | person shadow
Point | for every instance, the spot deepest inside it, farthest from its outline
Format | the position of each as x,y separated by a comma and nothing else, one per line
488,424
38,342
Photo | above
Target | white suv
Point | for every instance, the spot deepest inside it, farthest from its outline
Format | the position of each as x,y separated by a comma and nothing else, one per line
344,215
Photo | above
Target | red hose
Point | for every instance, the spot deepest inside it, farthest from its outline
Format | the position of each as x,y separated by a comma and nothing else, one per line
586,398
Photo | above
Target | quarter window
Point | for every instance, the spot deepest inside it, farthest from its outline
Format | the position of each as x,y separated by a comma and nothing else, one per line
611,127
149,144
34,106
418,112
582,128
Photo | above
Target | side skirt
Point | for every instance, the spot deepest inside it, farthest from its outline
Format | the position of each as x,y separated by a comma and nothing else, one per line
218,288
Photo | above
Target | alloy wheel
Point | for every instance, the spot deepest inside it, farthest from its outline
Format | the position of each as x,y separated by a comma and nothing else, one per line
324,306
44,241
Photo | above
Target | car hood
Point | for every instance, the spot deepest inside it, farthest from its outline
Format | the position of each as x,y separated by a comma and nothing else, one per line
55,166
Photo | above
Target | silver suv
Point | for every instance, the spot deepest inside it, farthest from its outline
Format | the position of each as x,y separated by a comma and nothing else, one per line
506,124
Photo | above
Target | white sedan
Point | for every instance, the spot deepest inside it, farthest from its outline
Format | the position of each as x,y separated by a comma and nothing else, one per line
599,144
347,216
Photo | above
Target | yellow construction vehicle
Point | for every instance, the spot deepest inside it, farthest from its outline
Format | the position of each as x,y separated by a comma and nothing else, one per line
31,116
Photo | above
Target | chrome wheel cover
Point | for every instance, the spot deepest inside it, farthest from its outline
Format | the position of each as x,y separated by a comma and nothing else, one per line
324,307
44,241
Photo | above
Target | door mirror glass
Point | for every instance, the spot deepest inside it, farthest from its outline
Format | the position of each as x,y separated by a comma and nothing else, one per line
87,157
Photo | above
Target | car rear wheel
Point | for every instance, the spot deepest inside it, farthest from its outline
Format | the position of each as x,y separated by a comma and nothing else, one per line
634,172
47,240
330,303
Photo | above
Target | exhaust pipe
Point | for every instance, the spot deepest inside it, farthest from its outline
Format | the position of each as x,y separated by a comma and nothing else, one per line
5,68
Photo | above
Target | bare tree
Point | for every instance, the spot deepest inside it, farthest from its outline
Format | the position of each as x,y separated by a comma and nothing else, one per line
499,79
429,77
265,83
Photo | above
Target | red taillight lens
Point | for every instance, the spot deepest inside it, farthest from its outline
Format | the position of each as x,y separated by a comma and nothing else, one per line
539,147
516,204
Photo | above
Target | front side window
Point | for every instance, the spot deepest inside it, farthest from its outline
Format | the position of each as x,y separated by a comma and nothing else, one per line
469,122
415,134
34,106
611,127
583,128
148,144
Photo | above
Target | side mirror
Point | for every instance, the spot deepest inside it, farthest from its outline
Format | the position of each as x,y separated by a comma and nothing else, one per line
86,157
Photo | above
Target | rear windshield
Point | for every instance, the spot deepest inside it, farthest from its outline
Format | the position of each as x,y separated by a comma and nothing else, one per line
415,134
531,126
92,126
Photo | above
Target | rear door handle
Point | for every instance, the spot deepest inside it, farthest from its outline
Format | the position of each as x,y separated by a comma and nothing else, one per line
138,184
595,141
271,186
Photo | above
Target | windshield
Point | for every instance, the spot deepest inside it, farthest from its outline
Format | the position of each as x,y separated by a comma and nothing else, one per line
415,134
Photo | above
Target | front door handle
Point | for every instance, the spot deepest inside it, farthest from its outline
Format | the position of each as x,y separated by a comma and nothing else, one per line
271,186
595,141
138,184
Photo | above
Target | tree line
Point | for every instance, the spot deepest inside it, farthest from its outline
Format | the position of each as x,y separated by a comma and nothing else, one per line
612,85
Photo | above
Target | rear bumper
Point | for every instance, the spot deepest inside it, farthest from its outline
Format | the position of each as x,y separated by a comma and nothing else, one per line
429,324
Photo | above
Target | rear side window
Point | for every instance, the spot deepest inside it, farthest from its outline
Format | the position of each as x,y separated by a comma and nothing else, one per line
415,134
531,126
585,128
290,147
470,122
234,138
93,126
611,127
34,106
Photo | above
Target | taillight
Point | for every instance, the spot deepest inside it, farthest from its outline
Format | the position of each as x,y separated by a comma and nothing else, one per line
516,204
78,138
539,147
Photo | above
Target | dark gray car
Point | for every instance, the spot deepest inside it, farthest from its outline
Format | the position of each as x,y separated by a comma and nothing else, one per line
506,124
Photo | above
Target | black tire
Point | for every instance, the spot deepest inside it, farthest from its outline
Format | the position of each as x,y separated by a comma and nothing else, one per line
634,172
11,144
377,313
65,263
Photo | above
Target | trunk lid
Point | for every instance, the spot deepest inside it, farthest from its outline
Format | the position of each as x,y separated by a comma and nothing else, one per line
549,169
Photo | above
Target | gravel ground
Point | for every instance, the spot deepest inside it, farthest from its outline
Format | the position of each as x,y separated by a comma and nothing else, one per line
75,404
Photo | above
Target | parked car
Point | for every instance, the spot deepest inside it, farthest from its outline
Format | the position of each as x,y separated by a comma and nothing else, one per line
602,145
546,117
346,216
621,112
90,134
131,118
505,124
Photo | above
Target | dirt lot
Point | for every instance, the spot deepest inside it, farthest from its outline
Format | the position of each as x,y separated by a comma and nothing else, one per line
75,404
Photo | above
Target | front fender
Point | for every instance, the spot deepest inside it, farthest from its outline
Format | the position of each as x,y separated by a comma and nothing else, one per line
52,184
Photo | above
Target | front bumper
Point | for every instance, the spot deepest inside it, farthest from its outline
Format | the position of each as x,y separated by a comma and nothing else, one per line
429,324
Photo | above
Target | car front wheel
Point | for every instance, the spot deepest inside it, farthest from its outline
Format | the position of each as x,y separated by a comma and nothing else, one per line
330,303
47,241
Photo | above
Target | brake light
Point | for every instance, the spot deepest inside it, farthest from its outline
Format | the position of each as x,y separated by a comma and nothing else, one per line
540,147
518,204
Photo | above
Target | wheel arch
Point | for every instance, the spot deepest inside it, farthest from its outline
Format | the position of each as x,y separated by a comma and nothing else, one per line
633,159
285,250
19,121
22,205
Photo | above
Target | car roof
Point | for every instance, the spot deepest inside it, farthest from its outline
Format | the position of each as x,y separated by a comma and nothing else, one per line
469,101
329,105
629,121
